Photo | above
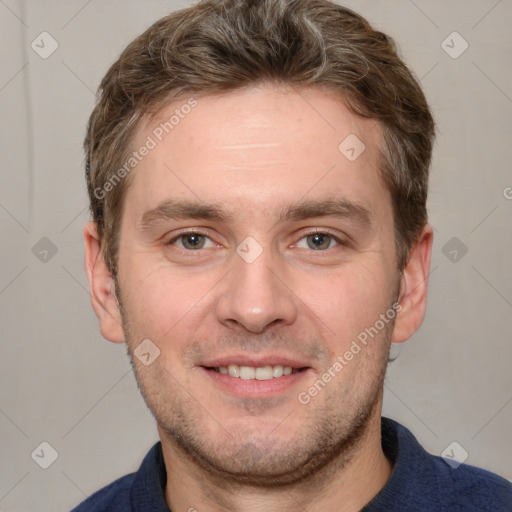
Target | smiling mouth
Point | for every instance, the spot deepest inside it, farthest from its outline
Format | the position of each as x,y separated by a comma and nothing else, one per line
267,372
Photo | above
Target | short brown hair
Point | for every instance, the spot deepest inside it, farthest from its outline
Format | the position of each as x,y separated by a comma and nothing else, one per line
222,45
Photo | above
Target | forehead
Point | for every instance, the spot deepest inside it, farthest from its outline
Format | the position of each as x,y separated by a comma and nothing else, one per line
256,148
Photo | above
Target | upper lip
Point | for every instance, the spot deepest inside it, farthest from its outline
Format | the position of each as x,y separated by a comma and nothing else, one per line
260,360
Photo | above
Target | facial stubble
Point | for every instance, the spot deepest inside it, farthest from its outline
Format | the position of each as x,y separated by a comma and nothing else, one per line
325,441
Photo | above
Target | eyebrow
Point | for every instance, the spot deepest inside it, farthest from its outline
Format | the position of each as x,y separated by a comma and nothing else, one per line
174,209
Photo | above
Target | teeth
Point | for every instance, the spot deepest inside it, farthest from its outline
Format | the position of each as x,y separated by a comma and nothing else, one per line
264,373
278,370
247,372
258,373
234,370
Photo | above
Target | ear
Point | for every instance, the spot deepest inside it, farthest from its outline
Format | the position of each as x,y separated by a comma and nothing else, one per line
101,287
413,288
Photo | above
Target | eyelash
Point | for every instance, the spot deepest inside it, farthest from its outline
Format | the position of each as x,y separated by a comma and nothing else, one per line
202,233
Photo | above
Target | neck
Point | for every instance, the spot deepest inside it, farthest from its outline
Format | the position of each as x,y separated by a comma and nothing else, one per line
346,484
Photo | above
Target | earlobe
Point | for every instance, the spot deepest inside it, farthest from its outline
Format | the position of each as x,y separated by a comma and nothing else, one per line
413,288
101,287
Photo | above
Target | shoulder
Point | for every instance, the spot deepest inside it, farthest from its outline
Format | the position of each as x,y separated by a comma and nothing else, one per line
115,497
471,488
431,483
142,490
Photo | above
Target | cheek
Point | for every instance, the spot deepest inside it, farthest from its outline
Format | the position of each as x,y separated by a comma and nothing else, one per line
157,301
348,300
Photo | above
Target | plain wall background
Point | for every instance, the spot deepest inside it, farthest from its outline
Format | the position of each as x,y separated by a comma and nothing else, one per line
63,384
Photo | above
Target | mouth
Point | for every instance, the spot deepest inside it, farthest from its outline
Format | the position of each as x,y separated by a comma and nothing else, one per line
247,377
265,372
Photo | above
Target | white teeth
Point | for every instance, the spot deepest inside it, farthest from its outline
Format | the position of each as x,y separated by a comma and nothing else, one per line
264,373
234,370
278,370
247,372
259,373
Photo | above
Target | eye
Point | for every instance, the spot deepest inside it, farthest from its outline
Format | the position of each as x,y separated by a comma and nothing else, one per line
192,240
318,241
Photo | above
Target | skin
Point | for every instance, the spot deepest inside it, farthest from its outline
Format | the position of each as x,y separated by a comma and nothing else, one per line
255,152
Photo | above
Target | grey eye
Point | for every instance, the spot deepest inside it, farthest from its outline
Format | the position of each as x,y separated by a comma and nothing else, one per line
192,241
319,241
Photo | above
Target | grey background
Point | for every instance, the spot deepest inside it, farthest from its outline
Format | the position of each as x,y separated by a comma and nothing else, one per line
63,384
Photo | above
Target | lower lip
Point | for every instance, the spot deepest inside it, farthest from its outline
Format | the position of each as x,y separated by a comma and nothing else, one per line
255,388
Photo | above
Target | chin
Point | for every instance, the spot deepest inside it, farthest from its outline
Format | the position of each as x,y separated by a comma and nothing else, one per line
270,455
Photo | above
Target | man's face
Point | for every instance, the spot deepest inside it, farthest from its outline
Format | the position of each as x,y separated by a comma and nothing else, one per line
260,277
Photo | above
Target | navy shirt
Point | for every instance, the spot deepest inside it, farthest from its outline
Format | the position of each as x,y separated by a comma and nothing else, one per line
420,482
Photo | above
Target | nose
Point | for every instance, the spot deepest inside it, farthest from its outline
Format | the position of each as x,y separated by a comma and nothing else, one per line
256,296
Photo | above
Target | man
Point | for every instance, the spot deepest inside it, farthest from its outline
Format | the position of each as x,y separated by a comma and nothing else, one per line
257,172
